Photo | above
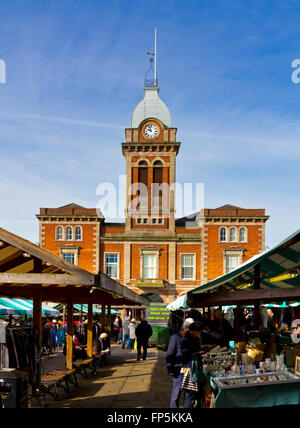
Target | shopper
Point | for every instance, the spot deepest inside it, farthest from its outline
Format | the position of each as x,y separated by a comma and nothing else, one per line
126,336
220,329
190,348
174,362
120,335
116,328
132,335
143,334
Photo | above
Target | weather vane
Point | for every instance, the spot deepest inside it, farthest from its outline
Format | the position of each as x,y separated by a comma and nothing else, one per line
153,59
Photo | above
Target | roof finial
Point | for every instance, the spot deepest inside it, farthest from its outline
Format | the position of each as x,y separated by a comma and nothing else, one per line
153,59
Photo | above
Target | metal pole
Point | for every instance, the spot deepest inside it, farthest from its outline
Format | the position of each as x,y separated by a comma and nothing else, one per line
155,56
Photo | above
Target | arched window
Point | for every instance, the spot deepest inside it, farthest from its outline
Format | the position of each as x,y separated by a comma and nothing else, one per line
243,234
69,233
143,186
232,234
78,233
158,163
59,233
223,234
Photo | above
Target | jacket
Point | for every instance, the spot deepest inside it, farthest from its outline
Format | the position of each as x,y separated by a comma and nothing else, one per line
126,327
189,347
174,355
144,331
132,329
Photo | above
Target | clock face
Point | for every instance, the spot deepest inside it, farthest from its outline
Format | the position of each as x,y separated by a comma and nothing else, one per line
151,131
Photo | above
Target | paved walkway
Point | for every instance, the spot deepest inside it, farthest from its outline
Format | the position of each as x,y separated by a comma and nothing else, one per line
126,383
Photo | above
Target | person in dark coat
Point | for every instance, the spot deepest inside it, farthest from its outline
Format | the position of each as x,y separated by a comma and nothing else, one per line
174,362
221,330
190,348
143,333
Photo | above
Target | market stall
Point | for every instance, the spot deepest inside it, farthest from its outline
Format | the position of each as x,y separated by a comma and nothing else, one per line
28,271
260,370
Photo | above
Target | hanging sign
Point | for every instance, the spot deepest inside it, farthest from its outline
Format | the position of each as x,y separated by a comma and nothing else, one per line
157,314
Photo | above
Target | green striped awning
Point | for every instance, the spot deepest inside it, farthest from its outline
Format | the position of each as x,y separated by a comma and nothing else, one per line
77,308
279,268
179,303
25,307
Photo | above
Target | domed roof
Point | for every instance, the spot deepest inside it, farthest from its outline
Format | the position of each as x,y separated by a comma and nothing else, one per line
151,107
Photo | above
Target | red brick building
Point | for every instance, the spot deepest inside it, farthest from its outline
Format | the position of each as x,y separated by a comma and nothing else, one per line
152,252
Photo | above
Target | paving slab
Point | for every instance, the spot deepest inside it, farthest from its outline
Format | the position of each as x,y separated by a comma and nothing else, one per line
125,383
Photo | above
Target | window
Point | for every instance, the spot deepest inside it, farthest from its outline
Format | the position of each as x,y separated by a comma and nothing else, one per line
223,234
69,233
232,234
232,263
69,257
154,220
139,221
243,235
112,265
149,266
59,233
145,220
188,266
143,187
160,221
78,233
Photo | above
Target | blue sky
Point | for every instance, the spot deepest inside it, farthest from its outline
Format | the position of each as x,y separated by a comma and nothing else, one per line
75,72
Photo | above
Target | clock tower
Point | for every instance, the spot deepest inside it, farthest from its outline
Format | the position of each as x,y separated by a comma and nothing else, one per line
150,151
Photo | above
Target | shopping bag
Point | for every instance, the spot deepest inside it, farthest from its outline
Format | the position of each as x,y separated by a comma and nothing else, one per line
187,384
135,345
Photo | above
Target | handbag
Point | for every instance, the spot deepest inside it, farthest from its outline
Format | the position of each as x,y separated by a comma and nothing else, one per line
187,384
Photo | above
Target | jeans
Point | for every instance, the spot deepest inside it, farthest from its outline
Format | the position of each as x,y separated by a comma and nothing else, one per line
126,337
115,334
142,343
130,343
176,392
190,398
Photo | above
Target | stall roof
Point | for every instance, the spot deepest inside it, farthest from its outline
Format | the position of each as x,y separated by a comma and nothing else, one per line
27,270
26,306
279,270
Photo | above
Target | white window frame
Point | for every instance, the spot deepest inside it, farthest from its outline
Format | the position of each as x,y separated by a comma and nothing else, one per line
226,233
146,252
118,263
194,267
66,233
81,234
235,234
232,252
71,250
246,234
62,233
149,267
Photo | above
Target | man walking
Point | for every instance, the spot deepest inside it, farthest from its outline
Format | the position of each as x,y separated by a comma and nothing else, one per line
143,334
126,336
174,362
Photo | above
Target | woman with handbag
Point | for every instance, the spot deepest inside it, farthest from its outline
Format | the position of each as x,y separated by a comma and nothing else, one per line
193,379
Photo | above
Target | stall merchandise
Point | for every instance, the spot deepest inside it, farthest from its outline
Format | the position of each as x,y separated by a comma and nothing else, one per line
231,374
19,351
